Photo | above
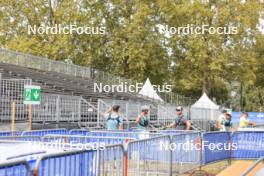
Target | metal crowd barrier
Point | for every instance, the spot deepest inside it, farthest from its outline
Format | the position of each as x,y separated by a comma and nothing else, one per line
9,133
44,132
132,134
22,138
75,139
249,144
83,132
186,152
163,154
16,168
148,157
84,162
210,152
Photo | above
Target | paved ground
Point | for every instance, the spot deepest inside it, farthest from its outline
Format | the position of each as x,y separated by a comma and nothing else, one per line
238,167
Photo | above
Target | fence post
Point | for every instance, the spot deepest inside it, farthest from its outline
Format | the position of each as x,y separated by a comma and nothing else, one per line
230,150
127,115
98,112
170,156
13,116
57,109
201,150
30,117
125,169
80,110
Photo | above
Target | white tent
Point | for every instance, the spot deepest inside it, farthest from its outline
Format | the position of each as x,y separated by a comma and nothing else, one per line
205,109
148,90
205,102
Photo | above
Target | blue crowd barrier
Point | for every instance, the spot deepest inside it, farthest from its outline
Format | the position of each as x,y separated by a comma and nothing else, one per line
186,148
144,151
79,132
216,146
22,138
17,168
67,164
250,144
135,135
9,133
44,132
82,163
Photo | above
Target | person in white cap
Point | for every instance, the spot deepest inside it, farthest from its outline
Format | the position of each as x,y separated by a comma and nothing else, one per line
181,123
142,119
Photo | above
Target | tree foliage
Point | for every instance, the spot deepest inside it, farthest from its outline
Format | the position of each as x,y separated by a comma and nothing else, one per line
135,45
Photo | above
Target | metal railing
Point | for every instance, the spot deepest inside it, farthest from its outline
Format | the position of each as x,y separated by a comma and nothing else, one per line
84,162
158,155
52,107
17,168
146,157
30,61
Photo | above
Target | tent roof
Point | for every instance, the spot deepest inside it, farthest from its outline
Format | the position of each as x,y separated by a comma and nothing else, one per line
148,90
205,102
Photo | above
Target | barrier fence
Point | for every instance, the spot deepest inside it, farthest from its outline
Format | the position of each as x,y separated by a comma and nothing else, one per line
249,144
52,108
86,162
147,157
211,150
17,168
173,152
75,139
44,132
186,152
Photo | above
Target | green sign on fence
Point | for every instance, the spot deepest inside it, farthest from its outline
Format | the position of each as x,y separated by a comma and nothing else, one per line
32,94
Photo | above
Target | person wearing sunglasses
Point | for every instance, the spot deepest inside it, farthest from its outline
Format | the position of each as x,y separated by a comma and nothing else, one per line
180,123
142,120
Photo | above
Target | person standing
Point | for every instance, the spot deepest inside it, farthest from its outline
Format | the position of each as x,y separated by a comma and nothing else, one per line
224,121
142,119
180,123
114,121
244,122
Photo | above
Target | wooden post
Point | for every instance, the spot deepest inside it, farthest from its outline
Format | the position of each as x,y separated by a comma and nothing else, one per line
30,117
13,112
